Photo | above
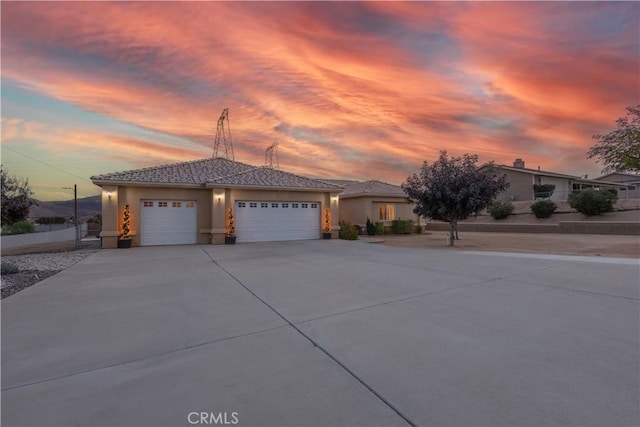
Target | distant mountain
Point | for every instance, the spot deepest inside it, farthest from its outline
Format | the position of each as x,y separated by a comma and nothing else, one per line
87,207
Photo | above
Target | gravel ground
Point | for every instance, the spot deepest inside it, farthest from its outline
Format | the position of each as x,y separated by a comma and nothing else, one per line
36,267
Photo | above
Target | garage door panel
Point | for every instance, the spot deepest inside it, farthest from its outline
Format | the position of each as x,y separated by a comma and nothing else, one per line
168,222
277,221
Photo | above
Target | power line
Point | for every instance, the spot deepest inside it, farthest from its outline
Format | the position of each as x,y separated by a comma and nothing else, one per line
46,164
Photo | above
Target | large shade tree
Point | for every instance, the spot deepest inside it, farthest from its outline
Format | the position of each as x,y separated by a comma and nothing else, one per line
16,197
619,150
452,189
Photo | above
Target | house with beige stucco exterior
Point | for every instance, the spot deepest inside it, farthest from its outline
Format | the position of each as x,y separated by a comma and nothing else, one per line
188,203
525,184
375,200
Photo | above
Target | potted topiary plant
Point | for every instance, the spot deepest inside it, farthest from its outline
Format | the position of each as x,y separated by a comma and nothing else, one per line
326,224
230,237
124,241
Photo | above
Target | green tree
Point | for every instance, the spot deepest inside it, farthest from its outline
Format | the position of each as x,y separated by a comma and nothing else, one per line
619,150
16,197
452,189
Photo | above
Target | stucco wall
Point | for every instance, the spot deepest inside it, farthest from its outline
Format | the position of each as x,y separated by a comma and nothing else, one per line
562,190
356,210
520,188
212,204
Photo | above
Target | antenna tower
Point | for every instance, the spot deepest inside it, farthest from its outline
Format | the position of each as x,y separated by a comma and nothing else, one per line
223,135
268,155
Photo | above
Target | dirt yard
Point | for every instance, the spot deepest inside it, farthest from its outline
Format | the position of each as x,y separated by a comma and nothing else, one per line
561,244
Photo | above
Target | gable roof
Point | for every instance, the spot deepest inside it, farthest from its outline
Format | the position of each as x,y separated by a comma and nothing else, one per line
369,188
534,171
212,172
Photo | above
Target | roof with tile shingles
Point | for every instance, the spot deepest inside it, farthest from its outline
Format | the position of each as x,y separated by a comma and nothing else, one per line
213,172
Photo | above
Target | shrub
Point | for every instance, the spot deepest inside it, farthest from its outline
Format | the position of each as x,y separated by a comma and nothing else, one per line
21,227
399,226
8,268
379,228
543,208
592,202
371,227
500,210
46,220
348,231
543,190
418,229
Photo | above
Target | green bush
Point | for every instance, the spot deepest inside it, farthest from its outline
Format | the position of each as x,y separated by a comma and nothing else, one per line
543,208
46,220
500,210
399,226
8,268
371,227
348,231
592,202
380,228
543,190
418,229
21,227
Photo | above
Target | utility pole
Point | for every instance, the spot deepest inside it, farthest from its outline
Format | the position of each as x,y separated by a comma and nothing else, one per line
75,213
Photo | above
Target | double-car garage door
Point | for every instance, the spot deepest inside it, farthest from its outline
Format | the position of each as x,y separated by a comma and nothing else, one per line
259,221
174,222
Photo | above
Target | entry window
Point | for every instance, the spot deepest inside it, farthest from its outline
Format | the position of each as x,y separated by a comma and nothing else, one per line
162,204
191,204
253,205
264,205
314,206
274,205
176,204
147,204
294,205
387,212
242,205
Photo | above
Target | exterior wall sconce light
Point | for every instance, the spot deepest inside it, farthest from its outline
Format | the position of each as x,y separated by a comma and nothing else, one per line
334,199
219,196
109,195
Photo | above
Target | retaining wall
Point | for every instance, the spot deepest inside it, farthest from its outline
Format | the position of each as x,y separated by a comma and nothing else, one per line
30,239
566,227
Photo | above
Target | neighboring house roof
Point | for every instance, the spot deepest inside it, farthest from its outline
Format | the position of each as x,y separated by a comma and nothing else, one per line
213,172
620,177
534,171
370,188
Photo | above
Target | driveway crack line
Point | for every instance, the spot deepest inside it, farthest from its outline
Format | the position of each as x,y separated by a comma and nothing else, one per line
152,356
317,345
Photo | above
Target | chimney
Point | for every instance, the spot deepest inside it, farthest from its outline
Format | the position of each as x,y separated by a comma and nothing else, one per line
518,163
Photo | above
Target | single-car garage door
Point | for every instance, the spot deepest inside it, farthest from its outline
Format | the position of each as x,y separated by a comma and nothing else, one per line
272,221
168,222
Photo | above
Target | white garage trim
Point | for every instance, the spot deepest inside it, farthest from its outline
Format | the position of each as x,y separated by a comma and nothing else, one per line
261,221
168,222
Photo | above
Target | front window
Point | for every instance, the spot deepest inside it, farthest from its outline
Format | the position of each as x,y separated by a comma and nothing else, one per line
387,212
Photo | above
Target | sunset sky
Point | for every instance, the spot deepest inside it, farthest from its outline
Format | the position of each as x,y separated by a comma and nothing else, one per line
352,90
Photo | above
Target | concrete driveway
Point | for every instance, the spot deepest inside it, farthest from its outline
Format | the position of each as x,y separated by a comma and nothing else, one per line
324,333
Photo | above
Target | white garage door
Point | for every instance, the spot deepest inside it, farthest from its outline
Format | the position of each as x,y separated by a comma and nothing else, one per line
168,222
273,221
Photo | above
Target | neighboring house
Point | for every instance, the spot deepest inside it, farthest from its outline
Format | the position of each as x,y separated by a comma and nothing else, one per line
186,203
631,182
523,181
375,200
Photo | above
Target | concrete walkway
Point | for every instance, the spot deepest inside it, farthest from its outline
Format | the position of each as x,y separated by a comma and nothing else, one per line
324,333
